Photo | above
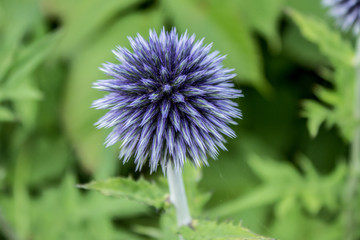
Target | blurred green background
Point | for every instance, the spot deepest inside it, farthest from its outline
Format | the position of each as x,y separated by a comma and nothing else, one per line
275,178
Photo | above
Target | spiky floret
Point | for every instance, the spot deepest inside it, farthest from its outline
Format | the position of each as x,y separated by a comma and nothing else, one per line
169,100
346,13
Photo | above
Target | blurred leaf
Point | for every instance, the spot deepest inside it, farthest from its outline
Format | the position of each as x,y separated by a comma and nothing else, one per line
141,190
21,198
81,216
311,227
6,60
26,111
264,19
168,225
75,216
80,28
29,59
260,196
24,91
329,41
78,117
270,171
152,232
340,101
342,110
314,8
215,20
17,18
300,49
208,230
316,114
196,198
328,96
341,55
49,159
285,187
6,114
19,86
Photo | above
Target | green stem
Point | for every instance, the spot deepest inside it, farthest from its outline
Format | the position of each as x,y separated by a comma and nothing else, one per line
354,166
178,196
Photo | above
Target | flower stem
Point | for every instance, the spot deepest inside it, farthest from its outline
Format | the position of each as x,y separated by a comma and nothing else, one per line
178,196
354,166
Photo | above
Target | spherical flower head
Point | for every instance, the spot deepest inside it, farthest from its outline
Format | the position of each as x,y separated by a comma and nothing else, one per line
169,100
346,13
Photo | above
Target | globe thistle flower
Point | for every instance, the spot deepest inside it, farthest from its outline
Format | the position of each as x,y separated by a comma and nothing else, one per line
168,100
346,12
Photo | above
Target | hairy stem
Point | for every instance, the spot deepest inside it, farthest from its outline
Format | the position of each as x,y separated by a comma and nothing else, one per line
178,196
354,174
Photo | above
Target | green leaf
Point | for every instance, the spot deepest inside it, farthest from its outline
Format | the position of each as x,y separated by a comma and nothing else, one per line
314,8
329,41
264,19
141,190
263,195
311,227
26,111
341,55
302,50
168,225
80,29
211,230
21,196
18,18
24,91
6,115
271,171
316,114
219,22
40,150
342,113
30,58
196,198
285,187
74,215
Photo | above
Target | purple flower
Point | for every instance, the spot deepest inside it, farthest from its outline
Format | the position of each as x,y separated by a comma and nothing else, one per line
169,100
346,12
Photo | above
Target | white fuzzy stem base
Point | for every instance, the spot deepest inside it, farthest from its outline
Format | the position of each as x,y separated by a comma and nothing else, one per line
178,196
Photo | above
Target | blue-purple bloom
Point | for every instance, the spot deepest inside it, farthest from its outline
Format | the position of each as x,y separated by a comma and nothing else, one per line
346,12
169,100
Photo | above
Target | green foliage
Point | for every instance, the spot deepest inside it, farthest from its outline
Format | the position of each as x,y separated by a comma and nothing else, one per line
311,227
264,19
18,63
84,26
197,198
210,230
6,114
66,208
341,55
329,41
28,60
285,187
141,190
